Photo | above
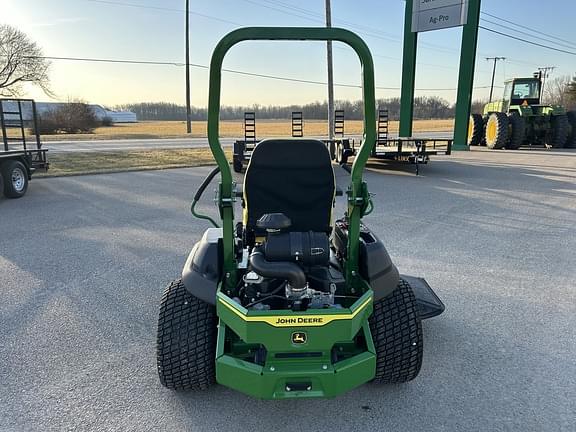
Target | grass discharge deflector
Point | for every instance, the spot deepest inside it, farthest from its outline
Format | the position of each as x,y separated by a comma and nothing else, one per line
288,303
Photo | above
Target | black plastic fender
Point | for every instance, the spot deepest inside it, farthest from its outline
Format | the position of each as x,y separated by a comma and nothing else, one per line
203,268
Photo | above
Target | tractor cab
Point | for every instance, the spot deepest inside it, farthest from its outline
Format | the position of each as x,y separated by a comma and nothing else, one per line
522,91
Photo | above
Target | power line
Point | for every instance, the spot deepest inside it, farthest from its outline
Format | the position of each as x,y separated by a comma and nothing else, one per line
139,6
572,46
524,26
528,42
234,71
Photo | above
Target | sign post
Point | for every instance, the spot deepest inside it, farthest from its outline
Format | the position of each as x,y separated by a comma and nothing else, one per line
429,15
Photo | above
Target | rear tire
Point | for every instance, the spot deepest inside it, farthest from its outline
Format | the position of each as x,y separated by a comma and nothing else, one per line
397,334
571,143
475,130
186,343
15,176
517,131
558,135
497,130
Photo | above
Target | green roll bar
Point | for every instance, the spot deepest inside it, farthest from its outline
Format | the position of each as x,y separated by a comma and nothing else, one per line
358,196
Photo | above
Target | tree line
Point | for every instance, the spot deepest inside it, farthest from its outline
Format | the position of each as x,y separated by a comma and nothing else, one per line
424,108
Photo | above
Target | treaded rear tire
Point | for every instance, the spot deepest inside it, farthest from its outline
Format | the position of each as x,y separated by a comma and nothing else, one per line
558,135
500,137
397,334
475,130
186,343
571,143
517,131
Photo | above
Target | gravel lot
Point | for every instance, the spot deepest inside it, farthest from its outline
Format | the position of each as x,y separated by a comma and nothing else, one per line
84,260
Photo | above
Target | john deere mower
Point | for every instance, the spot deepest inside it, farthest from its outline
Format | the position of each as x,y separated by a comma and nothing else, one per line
520,119
287,302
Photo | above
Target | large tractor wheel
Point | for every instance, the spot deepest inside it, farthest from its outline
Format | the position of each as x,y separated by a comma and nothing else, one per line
186,344
517,131
571,143
475,130
497,130
397,334
558,135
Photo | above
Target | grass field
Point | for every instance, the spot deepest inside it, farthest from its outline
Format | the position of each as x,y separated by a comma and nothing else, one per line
65,164
234,129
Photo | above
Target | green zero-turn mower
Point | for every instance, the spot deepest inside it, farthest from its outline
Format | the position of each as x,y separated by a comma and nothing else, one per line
288,303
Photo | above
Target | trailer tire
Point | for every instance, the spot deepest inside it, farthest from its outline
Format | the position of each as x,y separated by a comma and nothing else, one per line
15,176
397,335
517,131
558,135
475,130
571,143
497,130
186,342
237,165
339,152
332,150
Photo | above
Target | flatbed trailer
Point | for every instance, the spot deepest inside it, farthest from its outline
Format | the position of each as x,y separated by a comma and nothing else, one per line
20,157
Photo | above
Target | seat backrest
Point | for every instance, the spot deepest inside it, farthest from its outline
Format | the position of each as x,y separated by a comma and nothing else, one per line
290,176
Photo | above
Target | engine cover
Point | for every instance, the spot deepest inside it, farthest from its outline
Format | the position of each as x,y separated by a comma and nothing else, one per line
307,248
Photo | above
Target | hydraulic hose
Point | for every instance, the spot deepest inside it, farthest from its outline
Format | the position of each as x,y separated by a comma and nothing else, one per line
199,193
285,270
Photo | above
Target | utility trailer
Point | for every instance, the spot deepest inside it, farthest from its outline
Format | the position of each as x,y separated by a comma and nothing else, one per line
415,150
20,156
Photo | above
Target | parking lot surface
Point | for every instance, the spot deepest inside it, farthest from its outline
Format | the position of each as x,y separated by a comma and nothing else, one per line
84,260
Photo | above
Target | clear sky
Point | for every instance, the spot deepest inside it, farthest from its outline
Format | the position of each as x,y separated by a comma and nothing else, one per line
153,30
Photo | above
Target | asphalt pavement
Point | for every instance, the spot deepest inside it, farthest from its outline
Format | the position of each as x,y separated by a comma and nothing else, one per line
84,260
166,143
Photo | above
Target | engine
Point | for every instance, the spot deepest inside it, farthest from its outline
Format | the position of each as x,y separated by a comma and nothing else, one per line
289,270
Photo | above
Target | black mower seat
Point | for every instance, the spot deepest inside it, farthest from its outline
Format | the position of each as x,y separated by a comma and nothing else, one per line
290,176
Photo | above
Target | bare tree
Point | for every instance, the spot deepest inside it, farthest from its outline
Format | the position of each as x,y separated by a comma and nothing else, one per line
556,92
572,94
20,62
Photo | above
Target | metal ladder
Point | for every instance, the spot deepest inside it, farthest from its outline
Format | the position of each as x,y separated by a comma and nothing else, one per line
339,123
382,127
250,127
297,124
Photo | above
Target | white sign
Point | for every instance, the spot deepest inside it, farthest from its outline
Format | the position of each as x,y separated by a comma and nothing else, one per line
430,15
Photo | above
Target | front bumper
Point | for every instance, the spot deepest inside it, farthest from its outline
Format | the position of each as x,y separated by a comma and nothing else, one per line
299,359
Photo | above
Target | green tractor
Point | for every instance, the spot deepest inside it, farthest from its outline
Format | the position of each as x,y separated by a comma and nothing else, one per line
288,302
520,119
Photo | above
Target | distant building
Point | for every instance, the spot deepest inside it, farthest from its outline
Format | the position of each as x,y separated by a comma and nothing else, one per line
99,111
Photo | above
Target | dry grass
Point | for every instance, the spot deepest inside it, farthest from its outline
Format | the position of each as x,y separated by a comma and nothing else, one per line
234,129
64,164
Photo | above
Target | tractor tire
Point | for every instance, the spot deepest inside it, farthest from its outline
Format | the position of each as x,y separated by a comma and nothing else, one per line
517,131
15,176
558,135
186,343
475,130
571,143
497,130
397,334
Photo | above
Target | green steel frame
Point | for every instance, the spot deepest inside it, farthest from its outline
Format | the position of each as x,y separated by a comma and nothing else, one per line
358,196
465,77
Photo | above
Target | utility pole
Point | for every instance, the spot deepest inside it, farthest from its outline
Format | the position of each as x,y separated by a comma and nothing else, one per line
545,71
188,111
330,75
496,60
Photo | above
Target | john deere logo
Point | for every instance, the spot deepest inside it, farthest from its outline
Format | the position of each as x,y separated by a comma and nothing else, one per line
299,338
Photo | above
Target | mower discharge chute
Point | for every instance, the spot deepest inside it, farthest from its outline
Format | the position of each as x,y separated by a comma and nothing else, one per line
288,303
